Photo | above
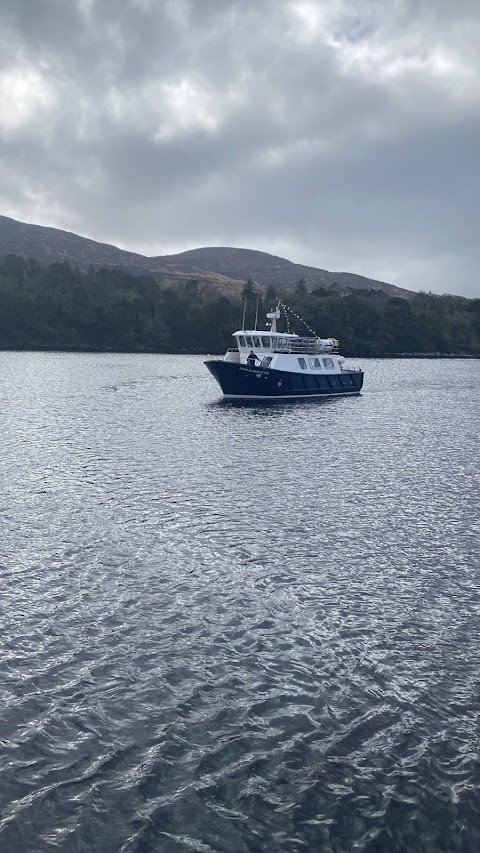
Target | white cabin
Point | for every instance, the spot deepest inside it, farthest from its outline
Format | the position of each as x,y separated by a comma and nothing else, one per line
285,351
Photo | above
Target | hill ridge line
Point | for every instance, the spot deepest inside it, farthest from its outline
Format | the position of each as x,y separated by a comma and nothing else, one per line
223,267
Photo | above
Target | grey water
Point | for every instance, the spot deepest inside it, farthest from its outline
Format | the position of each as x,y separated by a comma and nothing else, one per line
237,628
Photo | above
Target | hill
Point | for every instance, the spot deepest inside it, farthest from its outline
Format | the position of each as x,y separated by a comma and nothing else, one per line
272,271
226,269
52,245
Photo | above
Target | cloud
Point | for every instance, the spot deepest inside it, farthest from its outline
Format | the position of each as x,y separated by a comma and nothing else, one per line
342,134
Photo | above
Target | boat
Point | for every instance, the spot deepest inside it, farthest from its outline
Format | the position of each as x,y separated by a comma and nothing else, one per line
274,365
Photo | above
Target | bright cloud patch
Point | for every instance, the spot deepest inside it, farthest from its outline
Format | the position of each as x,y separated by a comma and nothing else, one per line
25,95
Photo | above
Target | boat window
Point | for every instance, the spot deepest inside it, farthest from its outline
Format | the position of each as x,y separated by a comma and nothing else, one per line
328,362
302,363
241,340
274,343
315,363
249,342
282,343
266,343
267,361
257,343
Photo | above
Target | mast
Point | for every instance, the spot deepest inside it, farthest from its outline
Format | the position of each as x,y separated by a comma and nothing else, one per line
244,312
274,316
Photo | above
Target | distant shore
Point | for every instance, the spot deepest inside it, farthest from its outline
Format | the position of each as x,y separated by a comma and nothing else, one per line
171,351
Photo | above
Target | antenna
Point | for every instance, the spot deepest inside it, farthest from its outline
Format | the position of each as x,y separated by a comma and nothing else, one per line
244,312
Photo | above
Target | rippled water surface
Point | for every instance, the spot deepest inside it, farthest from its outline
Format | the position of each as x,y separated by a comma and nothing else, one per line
237,628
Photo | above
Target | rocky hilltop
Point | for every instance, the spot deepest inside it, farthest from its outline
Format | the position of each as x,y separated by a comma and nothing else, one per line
224,268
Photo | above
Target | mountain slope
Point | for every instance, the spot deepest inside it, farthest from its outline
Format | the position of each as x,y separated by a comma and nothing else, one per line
224,268
52,244
270,270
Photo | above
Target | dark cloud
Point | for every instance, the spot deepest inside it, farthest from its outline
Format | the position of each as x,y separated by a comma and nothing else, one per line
340,134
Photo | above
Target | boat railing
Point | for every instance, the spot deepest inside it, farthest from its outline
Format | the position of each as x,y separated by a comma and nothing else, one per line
232,355
311,346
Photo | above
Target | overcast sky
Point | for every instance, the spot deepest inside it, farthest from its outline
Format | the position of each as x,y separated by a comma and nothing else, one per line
339,133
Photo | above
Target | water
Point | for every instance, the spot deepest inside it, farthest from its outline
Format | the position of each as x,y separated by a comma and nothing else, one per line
237,628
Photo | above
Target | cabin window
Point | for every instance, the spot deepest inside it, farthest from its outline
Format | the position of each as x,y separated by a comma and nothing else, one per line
328,363
315,363
257,343
266,343
267,361
282,343
249,342
302,363
274,343
241,340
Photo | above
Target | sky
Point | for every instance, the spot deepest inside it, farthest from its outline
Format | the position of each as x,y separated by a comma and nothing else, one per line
344,134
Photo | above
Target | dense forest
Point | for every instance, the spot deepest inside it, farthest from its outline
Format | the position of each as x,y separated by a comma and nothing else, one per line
60,307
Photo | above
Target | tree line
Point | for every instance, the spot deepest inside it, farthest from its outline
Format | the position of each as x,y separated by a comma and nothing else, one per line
58,306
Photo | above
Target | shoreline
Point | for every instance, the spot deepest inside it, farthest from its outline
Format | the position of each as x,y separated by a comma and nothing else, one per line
172,351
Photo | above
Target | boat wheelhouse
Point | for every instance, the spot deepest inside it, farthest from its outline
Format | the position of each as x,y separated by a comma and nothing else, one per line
278,365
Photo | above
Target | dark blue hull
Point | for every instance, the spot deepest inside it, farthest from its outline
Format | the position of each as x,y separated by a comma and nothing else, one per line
245,381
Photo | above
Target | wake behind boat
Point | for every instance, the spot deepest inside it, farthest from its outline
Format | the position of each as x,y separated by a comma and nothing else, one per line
272,365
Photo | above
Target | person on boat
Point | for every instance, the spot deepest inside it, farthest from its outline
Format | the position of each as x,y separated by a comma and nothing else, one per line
252,358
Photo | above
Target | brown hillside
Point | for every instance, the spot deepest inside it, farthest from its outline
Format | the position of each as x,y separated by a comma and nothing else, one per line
225,269
52,244
270,270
